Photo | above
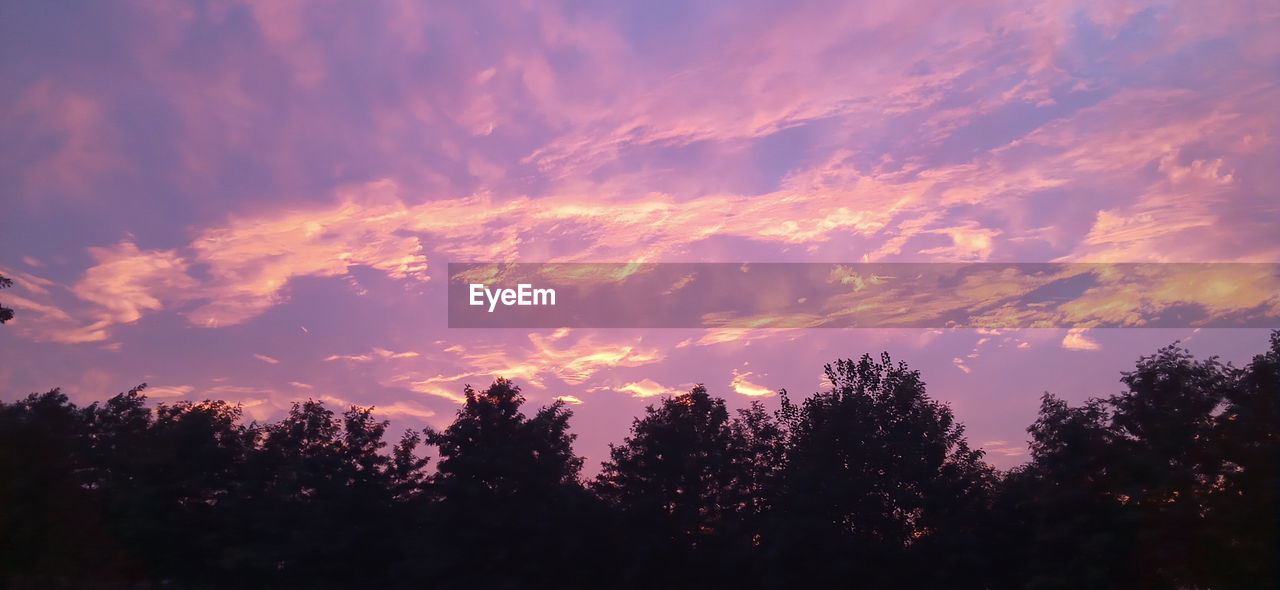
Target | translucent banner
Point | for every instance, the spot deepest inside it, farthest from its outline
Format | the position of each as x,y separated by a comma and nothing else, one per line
864,295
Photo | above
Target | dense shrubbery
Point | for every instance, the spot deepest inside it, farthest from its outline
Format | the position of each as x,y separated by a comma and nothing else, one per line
871,484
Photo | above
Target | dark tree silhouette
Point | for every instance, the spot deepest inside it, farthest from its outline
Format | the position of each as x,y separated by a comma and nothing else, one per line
6,313
492,448
1243,511
1170,483
689,483
878,477
1073,532
49,512
1163,427
323,498
506,509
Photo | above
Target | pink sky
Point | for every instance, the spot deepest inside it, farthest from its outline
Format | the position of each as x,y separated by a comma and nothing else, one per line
257,202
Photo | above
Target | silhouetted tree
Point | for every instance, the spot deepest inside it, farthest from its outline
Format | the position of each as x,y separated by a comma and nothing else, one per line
1163,425
1075,532
193,468
407,471
508,509
686,481
49,515
322,500
1169,484
1243,511
1150,488
6,313
878,480
760,457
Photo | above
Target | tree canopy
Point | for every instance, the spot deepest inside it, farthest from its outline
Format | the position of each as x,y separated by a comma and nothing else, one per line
6,313
869,483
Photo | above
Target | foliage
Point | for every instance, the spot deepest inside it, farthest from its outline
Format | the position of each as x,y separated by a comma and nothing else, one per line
1170,483
6,313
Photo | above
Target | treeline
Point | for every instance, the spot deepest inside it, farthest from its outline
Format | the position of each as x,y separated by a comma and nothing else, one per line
869,484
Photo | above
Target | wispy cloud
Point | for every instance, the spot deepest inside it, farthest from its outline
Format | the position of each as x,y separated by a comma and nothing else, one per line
834,131
741,385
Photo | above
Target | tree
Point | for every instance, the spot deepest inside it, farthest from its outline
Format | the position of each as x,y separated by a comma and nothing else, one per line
49,511
1074,530
1168,465
6,313
676,467
689,482
493,449
878,477
192,470
505,507
1170,483
319,501
1243,511
761,461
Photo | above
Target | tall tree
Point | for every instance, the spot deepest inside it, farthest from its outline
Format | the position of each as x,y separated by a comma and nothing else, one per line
879,476
191,472
49,511
1075,531
508,509
1243,511
492,448
6,313
690,482
320,500
1170,483
1163,424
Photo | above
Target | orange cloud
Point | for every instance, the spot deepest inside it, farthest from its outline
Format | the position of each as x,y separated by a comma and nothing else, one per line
646,388
165,391
740,384
376,353
1076,340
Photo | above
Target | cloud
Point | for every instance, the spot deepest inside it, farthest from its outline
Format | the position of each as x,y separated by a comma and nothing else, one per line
740,384
436,386
87,146
124,284
127,281
1077,340
250,261
643,388
376,353
1004,448
1166,163
166,391
392,410
546,357
969,242
403,408
266,359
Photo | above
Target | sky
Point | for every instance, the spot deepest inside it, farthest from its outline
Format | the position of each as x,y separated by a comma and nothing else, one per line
257,202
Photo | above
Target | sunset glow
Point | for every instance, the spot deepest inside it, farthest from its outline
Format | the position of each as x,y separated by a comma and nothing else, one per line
258,202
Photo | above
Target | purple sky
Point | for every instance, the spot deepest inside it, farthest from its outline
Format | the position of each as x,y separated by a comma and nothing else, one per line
257,201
